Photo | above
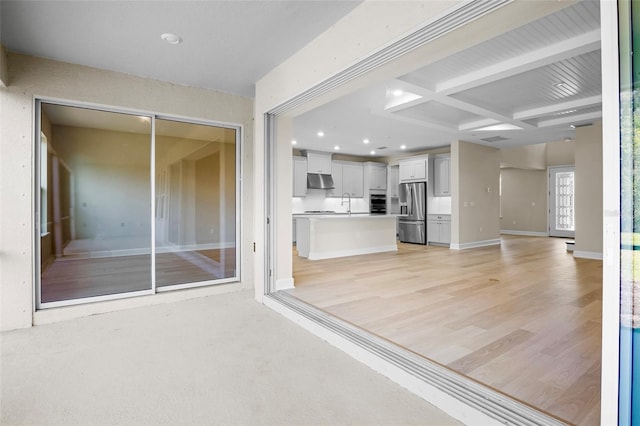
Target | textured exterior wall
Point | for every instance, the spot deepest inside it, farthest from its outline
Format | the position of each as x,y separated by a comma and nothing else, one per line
34,77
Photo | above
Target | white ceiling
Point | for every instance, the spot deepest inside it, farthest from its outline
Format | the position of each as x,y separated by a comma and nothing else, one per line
227,45
542,77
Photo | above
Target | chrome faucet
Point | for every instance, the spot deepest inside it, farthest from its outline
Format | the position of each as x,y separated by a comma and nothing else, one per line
342,202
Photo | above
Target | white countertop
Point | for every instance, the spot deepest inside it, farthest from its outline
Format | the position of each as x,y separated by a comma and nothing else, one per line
345,216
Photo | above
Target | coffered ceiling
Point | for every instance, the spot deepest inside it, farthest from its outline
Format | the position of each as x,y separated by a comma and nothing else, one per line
530,85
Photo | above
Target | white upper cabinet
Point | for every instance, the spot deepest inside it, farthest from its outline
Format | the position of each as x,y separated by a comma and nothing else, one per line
347,177
299,176
394,182
442,175
376,175
336,175
319,162
413,170
353,179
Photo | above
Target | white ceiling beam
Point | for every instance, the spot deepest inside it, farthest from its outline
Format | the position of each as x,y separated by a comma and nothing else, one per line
570,119
575,46
399,106
465,106
559,107
419,121
471,125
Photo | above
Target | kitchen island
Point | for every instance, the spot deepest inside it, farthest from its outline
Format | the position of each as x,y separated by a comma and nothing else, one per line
330,236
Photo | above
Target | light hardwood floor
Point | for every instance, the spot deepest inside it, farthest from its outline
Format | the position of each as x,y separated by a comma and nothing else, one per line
73,278
523,318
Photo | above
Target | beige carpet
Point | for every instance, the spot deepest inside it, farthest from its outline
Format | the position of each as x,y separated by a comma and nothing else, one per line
216,360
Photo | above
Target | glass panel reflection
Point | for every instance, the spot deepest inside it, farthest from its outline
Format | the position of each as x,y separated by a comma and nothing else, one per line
97,203
195,203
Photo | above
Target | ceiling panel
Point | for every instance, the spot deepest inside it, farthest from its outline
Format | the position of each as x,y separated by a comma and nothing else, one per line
580,77
570,22
227,45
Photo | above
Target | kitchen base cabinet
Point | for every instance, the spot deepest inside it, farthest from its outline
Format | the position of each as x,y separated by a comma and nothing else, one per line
439,229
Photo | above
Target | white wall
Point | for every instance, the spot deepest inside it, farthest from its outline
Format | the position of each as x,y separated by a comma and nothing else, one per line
525,157
524,201
475,196
588,191
30,77
561,153
112,186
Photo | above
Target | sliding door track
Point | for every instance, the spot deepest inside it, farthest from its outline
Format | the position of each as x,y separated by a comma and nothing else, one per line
486,400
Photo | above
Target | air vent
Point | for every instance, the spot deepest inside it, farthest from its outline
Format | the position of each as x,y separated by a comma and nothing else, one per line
494,139
583,125
382,147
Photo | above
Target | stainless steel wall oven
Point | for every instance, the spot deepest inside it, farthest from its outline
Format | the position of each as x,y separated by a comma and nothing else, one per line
378,203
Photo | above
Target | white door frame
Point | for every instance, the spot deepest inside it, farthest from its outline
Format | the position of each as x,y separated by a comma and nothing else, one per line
551,202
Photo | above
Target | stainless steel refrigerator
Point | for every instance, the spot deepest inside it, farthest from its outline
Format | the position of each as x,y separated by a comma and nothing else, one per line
413,213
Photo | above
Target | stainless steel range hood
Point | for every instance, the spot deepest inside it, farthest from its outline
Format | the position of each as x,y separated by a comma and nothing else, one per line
319,181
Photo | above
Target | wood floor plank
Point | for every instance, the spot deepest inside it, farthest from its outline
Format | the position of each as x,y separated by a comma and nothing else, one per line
523,318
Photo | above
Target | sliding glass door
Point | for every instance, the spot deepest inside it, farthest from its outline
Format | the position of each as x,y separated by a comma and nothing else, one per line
195,216
131,204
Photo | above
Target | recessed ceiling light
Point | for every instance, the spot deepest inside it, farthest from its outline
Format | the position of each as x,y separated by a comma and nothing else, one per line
365,141
293,142
397,92
171,38
403,147
373,152
572,126
320,134
337,148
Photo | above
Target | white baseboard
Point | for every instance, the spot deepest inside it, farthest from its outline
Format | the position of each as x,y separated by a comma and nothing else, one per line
284,284
524,233
352,252
587,254
447,403
475,244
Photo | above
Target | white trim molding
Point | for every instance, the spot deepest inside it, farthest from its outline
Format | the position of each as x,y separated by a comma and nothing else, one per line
587,254
475,244
284,284
524,233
